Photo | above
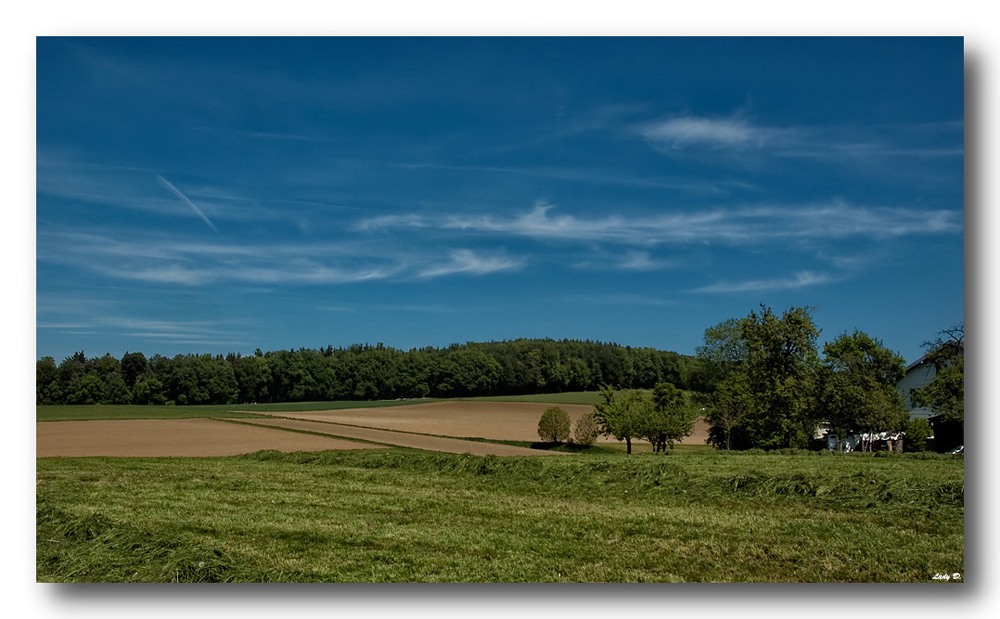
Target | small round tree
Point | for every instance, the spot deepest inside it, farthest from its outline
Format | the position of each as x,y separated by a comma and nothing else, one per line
586,430
917,430
553,427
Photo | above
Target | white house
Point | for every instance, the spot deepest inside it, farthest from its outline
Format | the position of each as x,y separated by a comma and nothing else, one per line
918,374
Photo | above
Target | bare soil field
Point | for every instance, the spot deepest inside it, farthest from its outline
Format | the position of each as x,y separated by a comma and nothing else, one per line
173,437
404,426
402,439
510,421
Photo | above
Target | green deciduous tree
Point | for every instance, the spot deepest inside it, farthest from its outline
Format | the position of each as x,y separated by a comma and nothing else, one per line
554,424
723,352
586,430
253,378
918,430
134,365
765,367
728,407
622,414
781,365
857,390
671,418
72,368
114,390
148,390
47,387
946,393
85,389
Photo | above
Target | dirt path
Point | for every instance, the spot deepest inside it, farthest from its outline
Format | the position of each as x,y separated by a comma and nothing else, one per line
402,439
173,437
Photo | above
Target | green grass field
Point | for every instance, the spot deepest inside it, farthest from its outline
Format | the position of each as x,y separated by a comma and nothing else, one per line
70,412
402,516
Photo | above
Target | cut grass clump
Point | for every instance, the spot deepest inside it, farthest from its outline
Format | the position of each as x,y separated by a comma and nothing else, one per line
93,548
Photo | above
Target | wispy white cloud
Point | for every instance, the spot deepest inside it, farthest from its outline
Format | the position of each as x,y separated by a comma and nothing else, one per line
174,331
801,279
392,221
62,325
163,260
419,309
168,274
269,135
597,176
178,332
748,225
630,260
140,189
641,261
194,207
272,272
696,131
469,262
628,299
395,307
845,144
304,272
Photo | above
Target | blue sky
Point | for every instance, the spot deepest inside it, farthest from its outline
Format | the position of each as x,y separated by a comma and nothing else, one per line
224,194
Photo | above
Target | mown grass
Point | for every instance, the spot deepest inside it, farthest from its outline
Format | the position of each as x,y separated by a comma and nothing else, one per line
80,412
403,516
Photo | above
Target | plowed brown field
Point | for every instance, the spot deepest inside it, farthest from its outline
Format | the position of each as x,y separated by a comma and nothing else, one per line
400,425
403,439
511,421
173,437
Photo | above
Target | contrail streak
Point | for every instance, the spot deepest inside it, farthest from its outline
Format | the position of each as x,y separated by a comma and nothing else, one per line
184,198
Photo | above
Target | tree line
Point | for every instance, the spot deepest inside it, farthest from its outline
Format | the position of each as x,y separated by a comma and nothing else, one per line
358,372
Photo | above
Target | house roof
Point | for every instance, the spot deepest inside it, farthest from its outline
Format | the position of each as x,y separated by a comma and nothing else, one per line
919,361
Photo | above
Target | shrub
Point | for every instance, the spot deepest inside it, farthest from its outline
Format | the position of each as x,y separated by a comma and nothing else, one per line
586,430
917,432
554,425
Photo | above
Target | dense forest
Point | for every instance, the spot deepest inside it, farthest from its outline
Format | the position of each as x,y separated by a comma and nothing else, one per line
359,372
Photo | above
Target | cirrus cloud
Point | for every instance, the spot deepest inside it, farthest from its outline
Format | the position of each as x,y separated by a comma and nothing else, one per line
801,279
696,131
469,262
736,226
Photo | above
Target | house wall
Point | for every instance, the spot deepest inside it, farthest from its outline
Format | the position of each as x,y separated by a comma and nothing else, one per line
917,375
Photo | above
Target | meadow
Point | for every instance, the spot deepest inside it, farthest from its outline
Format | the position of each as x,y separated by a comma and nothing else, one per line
399,515
82,412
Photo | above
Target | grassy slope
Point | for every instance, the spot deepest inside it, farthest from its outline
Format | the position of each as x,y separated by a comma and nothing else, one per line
127,411
414,516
